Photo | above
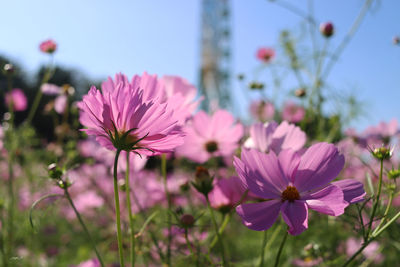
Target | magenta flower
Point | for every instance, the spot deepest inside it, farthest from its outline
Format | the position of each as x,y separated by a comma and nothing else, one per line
293,112
18,99
210,136
265,54
226,193
271,136
119,118
48,46
292,184
262,110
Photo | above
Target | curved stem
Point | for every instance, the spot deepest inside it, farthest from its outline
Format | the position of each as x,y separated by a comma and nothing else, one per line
117,210
221,229
83,226
128,203
376,203
280,249
164,175
224,262
264,242
385,214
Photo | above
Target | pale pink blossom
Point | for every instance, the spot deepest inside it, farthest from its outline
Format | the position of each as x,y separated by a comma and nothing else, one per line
262,110
48,46
18,99
265,54
293,112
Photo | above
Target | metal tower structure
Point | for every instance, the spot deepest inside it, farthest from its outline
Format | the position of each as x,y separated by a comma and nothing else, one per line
215,53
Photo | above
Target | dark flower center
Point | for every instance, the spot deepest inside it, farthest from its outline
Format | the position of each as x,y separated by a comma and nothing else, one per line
211,146
291,194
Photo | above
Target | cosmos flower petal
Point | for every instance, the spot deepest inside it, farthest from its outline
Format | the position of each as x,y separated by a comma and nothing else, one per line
327,201
319,165
353,190
259,216
295,215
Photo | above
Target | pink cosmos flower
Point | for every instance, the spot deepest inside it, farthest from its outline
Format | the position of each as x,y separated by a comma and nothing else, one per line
271,136
265,54
48,46
292,183
262,110
18,99
90,263
119,117
293,112
381,133
227,193
175,90
370,252
210,136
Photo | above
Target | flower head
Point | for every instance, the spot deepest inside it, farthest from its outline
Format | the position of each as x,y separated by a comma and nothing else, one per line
293,112
210,136
48,46
18,99
265,54
262,110
271,136
119,118
292,184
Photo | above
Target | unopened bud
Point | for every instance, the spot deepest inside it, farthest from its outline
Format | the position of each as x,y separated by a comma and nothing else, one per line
396,40
300,92
382,153
187,220
8,68
393,174
326,29
203,182
256,86
54,171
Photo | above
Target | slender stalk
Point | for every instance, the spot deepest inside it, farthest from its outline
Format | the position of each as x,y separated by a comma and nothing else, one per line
46,77
128,203
376,202
221,229
361,221
224,262
386,212
380,231
280,249
3,252
83,226
264,243
117,210
364,245
164,175
189,245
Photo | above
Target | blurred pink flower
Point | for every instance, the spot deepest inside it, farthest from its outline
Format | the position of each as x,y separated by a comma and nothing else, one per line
120,118
18,99
293,184
48,46
265,54
262,110
293,112
60,103
371,251
271,136
227,193
89,263
210,136
51,89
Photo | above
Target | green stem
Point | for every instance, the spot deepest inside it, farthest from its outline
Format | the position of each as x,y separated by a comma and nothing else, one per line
280,249
46,77
3,252
189,246
375,206
364,245
11,204
221,229
386,213
224,262
83,226
164,175
128,203
264,243
117,210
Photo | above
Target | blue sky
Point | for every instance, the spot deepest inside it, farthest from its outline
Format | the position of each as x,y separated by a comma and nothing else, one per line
104,37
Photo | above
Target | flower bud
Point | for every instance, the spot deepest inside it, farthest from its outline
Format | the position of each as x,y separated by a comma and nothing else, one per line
203,182
393,174
396,40
54,171
382,153
187,220
301,92
8,69
256,86
326,29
